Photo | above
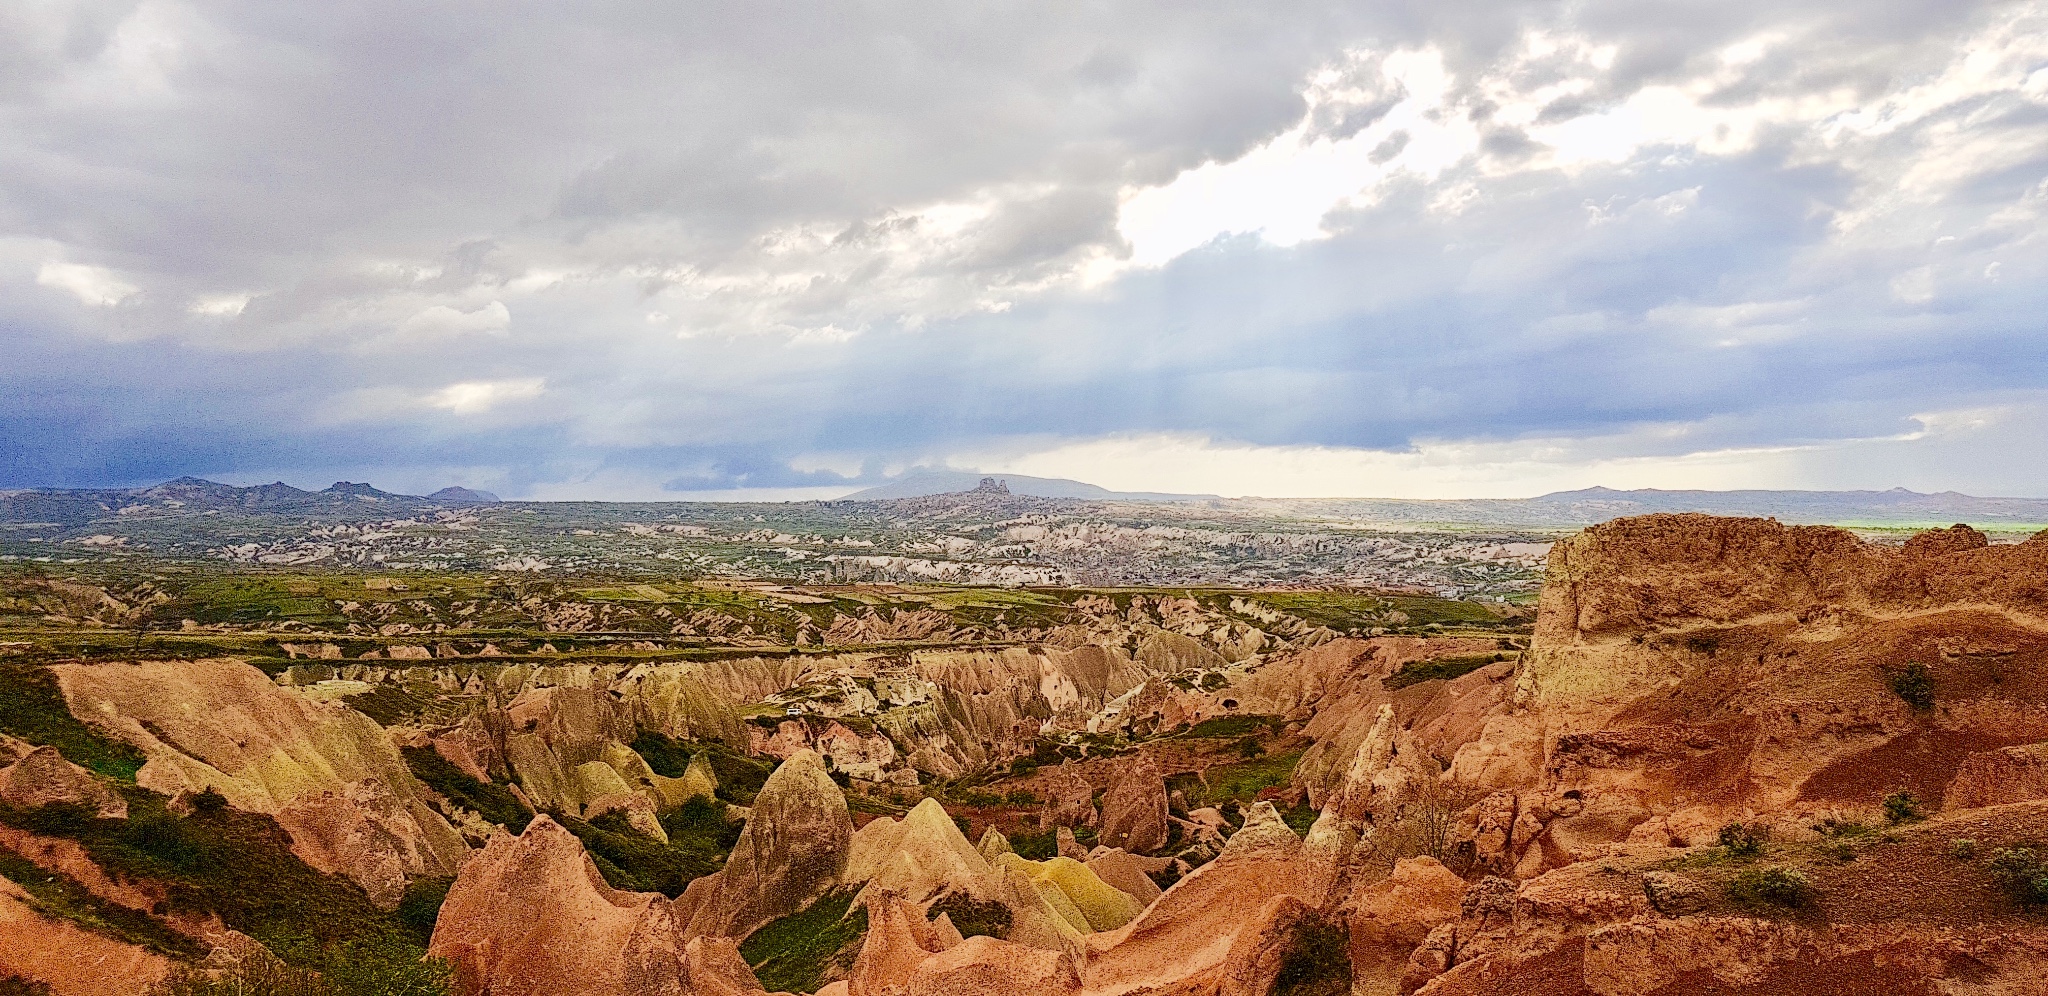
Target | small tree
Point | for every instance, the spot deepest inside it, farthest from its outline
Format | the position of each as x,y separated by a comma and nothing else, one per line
1914,685
1774,886
1902,807
2021,873
1744,840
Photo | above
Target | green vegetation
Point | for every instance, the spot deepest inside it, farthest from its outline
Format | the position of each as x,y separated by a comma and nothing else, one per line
2021,873
699,840
15,985
1962,849
58,897
739,777
794,954
32,708
1231,727
973,917
421,907
240,867
387,704
1913,684
1300,818
1239,781
1446,668
1772,886
1902,807
1316,963
494,802
1744,841
353,970
1036,846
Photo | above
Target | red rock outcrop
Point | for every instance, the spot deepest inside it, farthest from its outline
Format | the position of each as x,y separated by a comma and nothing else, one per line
1391,917
1689,670
985,966
531,916
1996,777
71,961
1188,932
899,940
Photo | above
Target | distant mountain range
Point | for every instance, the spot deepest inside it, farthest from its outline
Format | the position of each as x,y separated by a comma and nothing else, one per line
77,506
344,499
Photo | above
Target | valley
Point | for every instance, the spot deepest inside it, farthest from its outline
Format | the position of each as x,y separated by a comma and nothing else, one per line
1716,755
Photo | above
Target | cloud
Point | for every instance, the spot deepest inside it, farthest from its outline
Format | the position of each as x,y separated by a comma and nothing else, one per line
492,318
1938,452
474,397
755,253
94,285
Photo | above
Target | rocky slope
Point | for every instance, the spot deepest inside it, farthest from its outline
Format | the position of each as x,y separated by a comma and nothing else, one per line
1735,757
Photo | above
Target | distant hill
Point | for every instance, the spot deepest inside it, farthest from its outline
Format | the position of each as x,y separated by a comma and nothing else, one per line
77,506
463,496
924,483
1593,505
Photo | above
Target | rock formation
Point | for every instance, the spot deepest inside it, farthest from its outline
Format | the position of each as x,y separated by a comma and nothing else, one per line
918,857
531,916
326,771
43,777
899,939
793,850
1134,810
985,966
71,961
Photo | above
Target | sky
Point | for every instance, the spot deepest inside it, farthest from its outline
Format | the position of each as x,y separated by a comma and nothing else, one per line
722,250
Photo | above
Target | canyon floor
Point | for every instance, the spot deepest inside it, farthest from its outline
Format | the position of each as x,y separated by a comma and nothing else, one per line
1714,755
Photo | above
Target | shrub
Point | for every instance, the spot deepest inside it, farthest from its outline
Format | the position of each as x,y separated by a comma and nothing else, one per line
1774,886
739,777
972,917
383,968
1036,846
2021,873
1915,685
15,985
1902,807
1744,840
1316,963
1444,668
62,897
1962,848
1249,748
421,907
379,969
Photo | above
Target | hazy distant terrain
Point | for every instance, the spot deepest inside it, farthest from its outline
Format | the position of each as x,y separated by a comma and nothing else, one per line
993,534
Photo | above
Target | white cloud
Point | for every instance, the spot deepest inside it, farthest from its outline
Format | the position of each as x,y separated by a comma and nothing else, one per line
220,305
441,319
94,285
1933,456
1284,188
475,396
